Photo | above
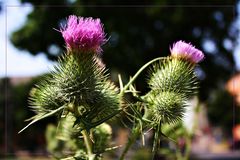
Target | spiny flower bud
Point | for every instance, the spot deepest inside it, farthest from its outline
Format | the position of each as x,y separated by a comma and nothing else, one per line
83,34
186,51
174,75
167,107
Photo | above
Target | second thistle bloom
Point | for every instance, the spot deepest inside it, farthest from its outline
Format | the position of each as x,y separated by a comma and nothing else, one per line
186,51
84,34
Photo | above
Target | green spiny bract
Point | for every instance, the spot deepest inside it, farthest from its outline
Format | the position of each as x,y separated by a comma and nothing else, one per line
107,104
78,78
79,82
174,75
45,97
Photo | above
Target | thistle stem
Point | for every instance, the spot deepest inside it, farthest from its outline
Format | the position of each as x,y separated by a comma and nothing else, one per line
88,144
127,147
157,140
131,140
188,147
138,73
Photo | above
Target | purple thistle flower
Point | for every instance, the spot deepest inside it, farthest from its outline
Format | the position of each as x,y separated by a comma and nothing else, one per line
186,51
84,34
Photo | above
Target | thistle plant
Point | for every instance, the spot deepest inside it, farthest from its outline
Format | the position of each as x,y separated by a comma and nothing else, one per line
172,81
79,92
79,85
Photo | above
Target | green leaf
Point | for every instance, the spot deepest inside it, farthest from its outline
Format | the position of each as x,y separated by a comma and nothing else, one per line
40,117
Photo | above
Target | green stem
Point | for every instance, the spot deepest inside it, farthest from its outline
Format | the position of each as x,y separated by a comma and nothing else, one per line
131,140
188,147
88,144
43,116
157,137
127,147
178,154
138,73
86,137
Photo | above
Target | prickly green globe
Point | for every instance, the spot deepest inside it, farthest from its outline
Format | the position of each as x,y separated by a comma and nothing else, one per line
45,97
80,83
166,107
174,75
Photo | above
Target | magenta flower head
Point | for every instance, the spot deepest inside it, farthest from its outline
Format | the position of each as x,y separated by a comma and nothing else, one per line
186,51
84,34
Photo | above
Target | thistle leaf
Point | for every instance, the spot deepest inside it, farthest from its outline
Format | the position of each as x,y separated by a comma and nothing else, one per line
40,117
102,135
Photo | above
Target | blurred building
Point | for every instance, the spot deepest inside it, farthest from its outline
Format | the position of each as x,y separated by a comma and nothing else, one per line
233,87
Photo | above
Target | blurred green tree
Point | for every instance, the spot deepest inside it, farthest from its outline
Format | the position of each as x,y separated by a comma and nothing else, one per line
140,31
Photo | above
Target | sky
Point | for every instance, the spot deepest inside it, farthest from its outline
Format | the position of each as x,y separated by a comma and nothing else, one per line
13,62
16,63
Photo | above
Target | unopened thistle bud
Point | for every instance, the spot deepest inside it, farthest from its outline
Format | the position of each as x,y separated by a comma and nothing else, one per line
167,107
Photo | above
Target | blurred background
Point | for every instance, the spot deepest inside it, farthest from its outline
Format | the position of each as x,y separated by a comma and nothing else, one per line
137,32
